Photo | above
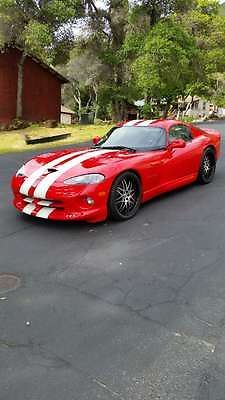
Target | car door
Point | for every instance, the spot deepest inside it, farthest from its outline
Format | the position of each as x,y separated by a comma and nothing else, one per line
151,163
181,164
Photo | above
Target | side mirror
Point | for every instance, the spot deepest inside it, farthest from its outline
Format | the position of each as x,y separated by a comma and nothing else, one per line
177,144
96,140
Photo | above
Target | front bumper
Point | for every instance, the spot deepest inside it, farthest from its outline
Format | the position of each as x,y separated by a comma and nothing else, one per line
65,204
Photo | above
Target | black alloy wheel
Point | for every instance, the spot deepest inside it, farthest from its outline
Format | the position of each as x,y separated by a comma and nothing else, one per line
208,167
125,197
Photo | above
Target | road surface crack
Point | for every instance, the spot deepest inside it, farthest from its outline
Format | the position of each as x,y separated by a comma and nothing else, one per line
108,389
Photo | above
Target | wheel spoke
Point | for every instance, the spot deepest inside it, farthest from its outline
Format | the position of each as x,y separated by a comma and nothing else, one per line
120,191
132,200
207,166
122,206
129,186
132,195
119,200
123,183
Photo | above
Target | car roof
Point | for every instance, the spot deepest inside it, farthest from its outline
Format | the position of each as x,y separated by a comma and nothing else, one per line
163,123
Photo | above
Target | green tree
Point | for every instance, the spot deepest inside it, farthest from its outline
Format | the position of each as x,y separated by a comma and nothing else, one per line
107,35
85,72
149,12
167,63
208,29
110,29
40,26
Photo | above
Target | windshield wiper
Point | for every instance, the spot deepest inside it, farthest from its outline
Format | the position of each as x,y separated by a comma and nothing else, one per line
119,148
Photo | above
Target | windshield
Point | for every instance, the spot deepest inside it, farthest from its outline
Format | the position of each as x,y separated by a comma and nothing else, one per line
137,138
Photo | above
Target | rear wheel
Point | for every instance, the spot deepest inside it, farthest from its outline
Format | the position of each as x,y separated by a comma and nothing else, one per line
208,167
125,197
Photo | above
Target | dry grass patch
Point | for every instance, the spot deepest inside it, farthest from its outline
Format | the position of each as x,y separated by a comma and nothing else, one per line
14,141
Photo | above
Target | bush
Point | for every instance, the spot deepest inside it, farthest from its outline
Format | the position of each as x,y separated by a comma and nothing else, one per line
101,122
187,119
18,123
14,125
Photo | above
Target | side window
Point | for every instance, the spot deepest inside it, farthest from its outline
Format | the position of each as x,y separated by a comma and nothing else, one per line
180,132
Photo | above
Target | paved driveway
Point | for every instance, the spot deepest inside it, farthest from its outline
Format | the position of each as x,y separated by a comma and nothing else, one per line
124,311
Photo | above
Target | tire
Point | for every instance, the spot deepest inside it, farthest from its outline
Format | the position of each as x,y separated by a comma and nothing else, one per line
208,167
125,197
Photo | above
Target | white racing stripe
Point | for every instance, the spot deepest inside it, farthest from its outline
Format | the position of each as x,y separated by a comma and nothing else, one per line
45,212
28,200
29,209
146,123
25,187
134,122
44,185
44,203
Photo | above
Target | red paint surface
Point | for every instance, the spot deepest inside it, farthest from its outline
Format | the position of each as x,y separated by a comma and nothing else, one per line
160,171
41,91
8,85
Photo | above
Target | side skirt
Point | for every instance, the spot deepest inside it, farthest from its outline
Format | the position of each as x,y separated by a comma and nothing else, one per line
168,187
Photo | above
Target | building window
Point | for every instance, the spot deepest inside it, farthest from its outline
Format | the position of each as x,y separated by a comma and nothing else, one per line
196,105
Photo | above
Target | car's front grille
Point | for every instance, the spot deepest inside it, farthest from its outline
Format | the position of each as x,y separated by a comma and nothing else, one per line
44,203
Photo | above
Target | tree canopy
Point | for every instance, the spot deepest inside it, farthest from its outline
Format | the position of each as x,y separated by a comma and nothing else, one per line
167,63
118,51
43,27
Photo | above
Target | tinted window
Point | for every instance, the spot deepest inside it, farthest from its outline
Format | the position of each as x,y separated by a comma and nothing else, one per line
143,138
180,132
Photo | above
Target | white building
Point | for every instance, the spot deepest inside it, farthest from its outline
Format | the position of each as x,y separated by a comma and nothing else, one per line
67,116
200,108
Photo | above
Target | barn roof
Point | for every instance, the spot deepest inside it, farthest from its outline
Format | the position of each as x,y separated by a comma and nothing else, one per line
65,110
51,69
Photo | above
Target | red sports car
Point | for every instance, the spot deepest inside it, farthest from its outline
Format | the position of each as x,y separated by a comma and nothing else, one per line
128,166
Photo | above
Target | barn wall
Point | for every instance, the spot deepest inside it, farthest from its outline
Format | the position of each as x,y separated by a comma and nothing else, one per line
8,84
41,93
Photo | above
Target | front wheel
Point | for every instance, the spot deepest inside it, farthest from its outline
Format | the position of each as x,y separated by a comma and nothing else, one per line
208,167
125,197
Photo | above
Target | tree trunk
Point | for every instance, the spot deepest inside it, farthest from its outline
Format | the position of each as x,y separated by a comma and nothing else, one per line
77,98
189,105
88,103
19,100
96,101
117,111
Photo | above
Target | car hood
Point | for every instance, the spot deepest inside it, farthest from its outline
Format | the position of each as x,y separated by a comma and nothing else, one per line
76,161
48,169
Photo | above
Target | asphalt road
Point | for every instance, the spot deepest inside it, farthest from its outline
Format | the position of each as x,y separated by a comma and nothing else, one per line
125,311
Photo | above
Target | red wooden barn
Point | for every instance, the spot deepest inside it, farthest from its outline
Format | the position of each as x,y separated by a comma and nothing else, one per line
41,93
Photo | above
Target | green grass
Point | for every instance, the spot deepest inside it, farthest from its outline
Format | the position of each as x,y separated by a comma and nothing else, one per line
14,141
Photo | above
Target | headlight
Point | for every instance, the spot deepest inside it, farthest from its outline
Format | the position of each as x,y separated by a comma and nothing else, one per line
21,171
88,179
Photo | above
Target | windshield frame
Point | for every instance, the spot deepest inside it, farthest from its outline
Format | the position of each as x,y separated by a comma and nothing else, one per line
100,144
